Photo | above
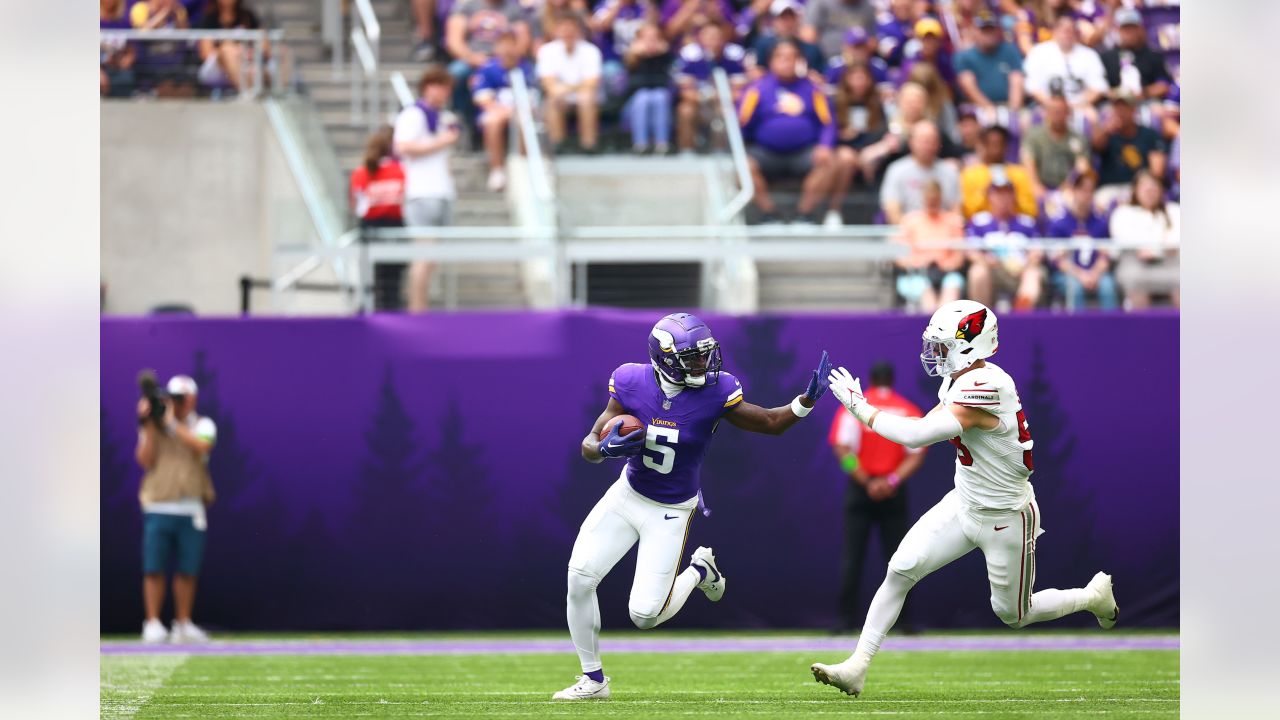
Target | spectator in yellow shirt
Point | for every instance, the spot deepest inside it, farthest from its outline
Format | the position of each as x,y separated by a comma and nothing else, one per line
976,178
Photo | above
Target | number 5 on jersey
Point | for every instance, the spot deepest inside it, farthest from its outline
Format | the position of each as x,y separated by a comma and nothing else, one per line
653,441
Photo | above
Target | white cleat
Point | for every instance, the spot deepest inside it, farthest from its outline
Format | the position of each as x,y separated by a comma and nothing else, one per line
1104,605
585,689
848,676
187,633
153,632
713,584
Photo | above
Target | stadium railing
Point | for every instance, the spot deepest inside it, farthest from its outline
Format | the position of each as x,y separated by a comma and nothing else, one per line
256,39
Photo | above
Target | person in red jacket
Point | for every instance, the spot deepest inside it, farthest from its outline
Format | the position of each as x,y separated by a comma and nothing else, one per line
877,470
377,193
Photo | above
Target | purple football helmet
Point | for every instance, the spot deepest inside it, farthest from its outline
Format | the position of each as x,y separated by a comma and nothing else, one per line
682,349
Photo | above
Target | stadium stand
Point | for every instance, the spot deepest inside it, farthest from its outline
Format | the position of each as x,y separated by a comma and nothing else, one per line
350,65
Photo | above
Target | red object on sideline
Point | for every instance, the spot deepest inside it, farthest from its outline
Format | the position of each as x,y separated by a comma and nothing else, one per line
379,197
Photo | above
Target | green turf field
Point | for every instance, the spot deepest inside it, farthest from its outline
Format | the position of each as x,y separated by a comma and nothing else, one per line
987,684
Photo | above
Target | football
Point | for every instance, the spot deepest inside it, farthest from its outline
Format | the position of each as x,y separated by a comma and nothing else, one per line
630,423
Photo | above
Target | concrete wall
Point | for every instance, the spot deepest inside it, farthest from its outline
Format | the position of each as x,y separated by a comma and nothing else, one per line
192,195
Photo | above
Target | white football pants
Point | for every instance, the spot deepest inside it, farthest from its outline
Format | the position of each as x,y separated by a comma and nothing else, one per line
622,518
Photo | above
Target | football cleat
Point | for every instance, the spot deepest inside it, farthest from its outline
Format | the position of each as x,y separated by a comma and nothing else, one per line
153,631
584,689
713,584
848,676
1104,605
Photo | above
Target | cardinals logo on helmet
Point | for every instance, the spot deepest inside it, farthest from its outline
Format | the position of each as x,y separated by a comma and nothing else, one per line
971,326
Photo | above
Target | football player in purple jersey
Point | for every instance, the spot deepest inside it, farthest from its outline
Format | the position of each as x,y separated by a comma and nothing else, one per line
680,395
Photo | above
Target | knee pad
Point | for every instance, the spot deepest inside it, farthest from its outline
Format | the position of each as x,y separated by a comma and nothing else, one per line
644,621
1007,613
907,564
581,583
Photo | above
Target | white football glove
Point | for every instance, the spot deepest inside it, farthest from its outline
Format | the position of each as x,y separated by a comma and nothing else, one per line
848,390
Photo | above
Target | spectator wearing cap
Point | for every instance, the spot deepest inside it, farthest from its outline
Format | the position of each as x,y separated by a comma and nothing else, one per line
569,70
877,470
1131,65
1148,218
693,68
614,25
931,51
176,490
682,19
491,94
648,106
859,48
976,178
829,21
1085,272
861,123
932,273
1052,149
786,28
1124,147
903,188
790,133
1065,65
1002,264
471,32
990,72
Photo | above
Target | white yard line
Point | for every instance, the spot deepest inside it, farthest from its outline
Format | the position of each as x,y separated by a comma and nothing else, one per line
128,682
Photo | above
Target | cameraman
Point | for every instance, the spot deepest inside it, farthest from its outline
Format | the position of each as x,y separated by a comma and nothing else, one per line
173,449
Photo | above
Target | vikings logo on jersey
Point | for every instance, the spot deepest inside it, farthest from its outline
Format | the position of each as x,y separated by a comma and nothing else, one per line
971,325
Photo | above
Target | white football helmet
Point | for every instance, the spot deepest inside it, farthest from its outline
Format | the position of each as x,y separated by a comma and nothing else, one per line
959,334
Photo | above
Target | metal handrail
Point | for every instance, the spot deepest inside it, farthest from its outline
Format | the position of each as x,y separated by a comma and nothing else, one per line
400,86
529,131
369,19
174,34
366,36
737,148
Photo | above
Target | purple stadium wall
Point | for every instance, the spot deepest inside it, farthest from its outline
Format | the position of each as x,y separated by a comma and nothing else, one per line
400,472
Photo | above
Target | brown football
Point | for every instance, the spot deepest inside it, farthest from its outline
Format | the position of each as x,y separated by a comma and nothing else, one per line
630,424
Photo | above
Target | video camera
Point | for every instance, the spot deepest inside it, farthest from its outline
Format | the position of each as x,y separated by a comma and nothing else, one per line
155,395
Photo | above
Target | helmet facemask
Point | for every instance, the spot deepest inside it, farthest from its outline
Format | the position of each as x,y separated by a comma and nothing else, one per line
936,356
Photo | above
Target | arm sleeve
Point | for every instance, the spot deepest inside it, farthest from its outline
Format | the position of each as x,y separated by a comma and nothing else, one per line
917,432
827,136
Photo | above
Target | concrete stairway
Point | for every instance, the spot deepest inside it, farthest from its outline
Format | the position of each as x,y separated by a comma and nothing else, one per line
472,285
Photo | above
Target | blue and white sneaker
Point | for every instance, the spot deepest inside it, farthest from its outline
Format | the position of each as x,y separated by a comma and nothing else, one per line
713,584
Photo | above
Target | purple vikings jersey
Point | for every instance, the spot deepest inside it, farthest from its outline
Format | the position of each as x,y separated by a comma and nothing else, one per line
678,430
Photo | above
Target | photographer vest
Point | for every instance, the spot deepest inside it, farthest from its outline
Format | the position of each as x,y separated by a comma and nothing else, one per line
177,474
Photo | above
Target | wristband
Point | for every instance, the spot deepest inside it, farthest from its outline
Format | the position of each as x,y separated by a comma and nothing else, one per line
798,409
893,480
849,463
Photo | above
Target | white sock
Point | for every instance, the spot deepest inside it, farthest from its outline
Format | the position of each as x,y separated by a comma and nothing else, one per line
1052,604
584,620
684,585
882,614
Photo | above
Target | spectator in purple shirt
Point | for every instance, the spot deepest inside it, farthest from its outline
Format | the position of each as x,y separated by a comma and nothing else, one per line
162,65
693,70
614,25
1085,272
790,133
894,28
786,27
931,51
859,49
492,95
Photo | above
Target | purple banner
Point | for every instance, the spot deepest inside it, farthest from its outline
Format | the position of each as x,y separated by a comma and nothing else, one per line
422,472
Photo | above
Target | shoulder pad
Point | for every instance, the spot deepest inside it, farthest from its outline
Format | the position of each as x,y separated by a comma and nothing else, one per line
731,388
982,218
987,388
1027,220
734,51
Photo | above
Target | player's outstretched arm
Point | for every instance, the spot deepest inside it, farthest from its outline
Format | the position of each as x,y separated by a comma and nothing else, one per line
595,450
775,421
941,423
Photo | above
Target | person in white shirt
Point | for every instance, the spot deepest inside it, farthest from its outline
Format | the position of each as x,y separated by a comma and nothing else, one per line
425,133
1146,272
1065,63
569,71
173,451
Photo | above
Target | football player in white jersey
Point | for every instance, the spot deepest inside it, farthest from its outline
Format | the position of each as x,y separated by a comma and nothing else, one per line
993,506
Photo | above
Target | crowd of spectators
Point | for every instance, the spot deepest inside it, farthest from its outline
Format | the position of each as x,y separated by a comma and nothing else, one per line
982,125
